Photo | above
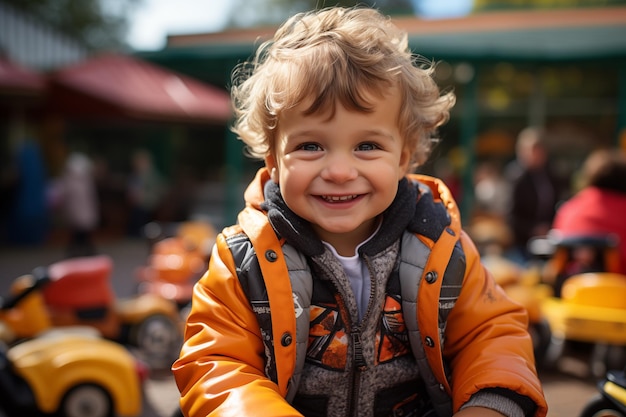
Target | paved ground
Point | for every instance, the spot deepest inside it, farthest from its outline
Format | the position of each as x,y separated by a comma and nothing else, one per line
567,389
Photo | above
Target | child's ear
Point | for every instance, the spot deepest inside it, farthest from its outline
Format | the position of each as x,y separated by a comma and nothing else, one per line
270,163
405,160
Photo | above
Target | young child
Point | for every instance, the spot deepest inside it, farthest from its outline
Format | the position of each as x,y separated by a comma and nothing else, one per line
347,287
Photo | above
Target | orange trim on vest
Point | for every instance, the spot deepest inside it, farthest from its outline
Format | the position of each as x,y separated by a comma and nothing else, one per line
255,225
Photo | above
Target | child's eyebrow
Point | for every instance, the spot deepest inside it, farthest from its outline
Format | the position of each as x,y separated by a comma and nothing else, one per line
378,132
379,135
302,134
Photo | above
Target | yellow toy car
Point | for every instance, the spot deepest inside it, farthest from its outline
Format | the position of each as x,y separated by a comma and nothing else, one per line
71,371
591,310
587,313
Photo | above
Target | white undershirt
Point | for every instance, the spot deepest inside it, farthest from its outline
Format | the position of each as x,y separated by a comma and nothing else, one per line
357,273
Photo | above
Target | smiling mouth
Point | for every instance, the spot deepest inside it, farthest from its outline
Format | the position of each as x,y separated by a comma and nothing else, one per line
338,198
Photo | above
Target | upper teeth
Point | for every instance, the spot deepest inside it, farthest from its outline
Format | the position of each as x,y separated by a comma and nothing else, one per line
339,198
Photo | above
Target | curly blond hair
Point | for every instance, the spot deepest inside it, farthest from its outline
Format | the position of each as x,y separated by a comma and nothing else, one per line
333,56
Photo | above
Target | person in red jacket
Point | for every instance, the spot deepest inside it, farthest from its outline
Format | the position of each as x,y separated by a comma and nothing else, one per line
347,286
596,209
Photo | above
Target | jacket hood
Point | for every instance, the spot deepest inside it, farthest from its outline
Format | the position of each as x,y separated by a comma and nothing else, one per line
414,208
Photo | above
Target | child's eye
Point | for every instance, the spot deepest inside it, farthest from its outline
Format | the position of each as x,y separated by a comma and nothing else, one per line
310,147
367,146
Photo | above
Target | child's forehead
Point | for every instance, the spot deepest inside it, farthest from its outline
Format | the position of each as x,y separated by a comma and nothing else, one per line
325,108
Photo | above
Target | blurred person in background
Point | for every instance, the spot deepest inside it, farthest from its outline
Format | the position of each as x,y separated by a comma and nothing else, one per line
28,218
111,188
491,190
489,227
535,191
77,198
597,208
145,191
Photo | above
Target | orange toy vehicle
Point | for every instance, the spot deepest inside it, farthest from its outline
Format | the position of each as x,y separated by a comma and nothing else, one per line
79,292
176,262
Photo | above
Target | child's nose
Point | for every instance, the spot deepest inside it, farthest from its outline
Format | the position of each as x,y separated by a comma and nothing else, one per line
339,169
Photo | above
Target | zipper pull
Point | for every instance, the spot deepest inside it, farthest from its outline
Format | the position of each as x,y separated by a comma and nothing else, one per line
357,352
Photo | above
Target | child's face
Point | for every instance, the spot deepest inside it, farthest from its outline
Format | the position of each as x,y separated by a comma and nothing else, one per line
340,173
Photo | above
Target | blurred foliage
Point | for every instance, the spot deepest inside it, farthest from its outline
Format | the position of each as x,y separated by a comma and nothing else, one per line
98,24
248,13
482,5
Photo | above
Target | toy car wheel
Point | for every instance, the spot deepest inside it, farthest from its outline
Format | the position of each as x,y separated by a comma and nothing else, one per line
541,335
86,400
158,339
600,406
605,357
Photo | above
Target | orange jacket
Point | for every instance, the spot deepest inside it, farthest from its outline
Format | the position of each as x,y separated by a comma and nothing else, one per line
220,371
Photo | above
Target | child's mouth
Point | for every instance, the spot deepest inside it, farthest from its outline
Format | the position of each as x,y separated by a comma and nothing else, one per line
338,198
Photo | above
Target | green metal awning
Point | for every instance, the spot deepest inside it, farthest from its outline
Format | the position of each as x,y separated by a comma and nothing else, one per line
523,35
546,44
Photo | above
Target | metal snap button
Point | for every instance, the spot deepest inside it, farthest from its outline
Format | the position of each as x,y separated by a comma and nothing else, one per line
431,277
286,339
271,255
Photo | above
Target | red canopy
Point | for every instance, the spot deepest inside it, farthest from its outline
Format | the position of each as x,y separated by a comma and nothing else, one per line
18,81
121,86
